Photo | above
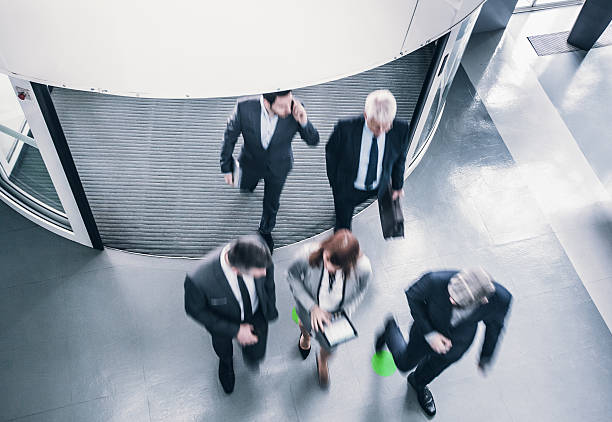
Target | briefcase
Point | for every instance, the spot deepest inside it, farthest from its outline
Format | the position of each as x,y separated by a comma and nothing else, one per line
391,216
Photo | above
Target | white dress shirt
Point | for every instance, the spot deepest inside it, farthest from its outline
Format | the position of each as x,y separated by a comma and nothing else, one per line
364,158
268,124
232,279
457,317
330,300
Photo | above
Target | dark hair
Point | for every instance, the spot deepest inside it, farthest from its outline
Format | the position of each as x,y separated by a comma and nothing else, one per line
343,250
249,252
271,96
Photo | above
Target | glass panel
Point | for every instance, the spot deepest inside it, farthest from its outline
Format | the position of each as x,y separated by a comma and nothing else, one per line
448,73
31,176
11,116
463,36
431,118
22,169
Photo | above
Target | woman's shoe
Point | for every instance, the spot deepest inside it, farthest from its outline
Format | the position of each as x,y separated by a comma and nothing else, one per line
323,378
303,352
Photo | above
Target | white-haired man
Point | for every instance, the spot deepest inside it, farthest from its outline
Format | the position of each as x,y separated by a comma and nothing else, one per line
447,307
366,154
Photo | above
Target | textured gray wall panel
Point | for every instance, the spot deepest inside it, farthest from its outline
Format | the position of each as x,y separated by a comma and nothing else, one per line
150,167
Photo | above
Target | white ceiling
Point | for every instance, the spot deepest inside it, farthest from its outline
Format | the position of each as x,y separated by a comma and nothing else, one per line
178,49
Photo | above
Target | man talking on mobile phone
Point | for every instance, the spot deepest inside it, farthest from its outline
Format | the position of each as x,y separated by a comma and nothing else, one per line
268,124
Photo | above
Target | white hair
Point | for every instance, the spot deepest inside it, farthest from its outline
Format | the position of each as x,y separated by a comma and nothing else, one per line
380,105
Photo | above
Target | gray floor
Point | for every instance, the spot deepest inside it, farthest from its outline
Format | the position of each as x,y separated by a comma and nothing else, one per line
150,167
88,335
553,114
575,92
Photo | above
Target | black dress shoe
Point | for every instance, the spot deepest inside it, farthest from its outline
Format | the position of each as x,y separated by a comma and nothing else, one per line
268,239
424,396
303,352
252,365
380,342
227,376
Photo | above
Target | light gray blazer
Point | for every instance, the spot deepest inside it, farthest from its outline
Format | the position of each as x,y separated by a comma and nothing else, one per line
304,281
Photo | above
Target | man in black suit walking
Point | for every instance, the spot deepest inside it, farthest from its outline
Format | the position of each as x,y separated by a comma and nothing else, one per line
365,155
268,124
447,307
232,294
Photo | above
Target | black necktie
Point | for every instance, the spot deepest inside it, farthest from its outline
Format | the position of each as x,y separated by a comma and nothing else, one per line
372,164
332,279
246,299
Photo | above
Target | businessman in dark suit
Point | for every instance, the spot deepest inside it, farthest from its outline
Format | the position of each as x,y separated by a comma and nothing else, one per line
232,294
366,154
268,124
447,307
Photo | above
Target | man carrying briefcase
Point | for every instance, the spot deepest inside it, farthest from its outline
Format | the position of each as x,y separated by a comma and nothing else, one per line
365,154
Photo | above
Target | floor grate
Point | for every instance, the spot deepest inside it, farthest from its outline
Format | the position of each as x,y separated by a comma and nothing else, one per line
150,167
547,44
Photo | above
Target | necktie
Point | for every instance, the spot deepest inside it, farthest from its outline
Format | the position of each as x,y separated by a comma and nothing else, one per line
332,279
246,299
372,164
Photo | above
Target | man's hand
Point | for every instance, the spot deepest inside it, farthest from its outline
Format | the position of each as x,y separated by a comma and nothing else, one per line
299,113
319,318
229,178
397,193
439,343
245,335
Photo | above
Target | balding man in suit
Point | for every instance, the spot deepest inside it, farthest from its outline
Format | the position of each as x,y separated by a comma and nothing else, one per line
447,307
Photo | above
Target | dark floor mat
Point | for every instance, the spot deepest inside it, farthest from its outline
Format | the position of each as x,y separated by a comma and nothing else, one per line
150,167
556,43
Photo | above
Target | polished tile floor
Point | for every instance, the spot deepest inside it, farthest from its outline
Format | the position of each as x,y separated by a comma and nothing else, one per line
87,335
553,114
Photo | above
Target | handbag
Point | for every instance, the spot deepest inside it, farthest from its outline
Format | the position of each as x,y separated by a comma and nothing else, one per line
391,216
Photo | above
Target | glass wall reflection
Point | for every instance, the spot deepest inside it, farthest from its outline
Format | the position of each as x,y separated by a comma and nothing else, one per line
442,82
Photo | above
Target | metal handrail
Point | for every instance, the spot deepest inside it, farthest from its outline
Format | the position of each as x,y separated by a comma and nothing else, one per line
14,134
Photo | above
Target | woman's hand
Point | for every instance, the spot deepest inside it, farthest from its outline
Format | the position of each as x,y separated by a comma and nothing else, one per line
319,318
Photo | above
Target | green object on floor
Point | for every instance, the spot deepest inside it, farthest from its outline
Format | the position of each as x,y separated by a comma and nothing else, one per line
294,316
382,363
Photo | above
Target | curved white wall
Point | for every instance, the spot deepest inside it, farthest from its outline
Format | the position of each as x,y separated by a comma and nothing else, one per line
154,48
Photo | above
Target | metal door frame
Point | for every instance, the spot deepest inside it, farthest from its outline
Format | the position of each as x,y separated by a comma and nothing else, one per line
50,140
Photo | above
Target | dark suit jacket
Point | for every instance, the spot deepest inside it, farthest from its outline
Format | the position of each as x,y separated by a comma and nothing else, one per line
210,301
342,155
278,157
431,309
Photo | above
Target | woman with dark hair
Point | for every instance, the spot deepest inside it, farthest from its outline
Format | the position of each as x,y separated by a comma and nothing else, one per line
327,279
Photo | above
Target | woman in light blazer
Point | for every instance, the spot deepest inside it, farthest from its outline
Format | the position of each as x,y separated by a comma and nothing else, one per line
327,279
